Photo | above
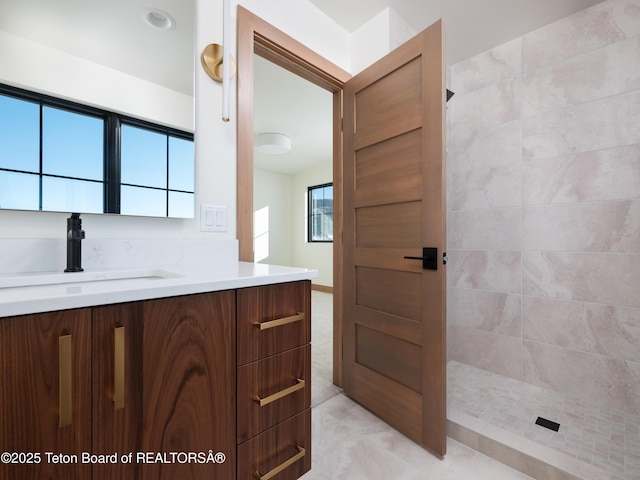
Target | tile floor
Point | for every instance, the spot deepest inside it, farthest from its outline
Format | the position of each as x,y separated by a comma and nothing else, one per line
351,443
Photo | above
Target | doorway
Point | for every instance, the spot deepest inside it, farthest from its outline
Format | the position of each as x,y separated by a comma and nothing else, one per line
293,140
257,37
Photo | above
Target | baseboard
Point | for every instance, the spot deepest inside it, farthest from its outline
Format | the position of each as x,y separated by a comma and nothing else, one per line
321,288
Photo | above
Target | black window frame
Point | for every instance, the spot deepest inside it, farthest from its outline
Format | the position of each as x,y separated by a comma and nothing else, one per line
311,215
112,144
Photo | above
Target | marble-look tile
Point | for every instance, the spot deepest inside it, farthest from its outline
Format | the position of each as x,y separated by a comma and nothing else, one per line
362,447
493,66
498,229
589,176
484,108
496,353
626,14
612,226
49,255
486,188
489,311
605,380
498,271
595,328
604,123
32,255
604,72
498,146
591,277
582,32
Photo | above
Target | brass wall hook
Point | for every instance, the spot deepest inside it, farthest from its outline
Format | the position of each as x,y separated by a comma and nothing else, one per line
211,60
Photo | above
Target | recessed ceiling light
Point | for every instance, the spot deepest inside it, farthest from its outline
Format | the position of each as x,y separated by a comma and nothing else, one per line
158,18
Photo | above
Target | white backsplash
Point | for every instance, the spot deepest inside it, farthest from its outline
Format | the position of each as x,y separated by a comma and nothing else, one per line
50,255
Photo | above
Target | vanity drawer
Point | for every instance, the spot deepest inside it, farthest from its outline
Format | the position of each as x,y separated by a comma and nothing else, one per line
272,390
272,319
285,448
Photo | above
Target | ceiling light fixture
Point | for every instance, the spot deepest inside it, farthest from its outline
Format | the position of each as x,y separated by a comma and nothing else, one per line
158,18
273,143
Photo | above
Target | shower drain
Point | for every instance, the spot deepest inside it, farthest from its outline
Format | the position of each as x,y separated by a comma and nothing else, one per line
543,422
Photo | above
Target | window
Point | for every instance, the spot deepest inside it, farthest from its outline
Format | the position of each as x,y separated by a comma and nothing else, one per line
320,213
157,173
61,156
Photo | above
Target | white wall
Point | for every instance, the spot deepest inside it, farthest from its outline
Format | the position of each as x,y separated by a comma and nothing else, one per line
272,208
280,206
377,37
318,256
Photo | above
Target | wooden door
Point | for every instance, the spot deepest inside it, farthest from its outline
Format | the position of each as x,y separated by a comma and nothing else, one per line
45,395
394,205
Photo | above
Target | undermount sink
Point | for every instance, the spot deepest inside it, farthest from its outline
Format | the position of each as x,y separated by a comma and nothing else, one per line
57,278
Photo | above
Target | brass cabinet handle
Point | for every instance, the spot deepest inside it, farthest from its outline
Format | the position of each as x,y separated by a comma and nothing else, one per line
118,368
278,395
65,381
279,322
301,453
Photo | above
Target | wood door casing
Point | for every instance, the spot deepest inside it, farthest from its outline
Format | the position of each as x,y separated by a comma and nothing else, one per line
394,205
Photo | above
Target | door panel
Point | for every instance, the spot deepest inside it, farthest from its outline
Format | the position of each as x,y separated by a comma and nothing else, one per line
390,106
381,181
390,356
396,225
394,178
389,291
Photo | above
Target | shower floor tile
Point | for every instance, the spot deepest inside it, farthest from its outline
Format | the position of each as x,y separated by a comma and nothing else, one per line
604,437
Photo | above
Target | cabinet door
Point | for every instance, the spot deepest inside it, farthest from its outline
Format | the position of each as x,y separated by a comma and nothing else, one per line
117,388
45,398
189,385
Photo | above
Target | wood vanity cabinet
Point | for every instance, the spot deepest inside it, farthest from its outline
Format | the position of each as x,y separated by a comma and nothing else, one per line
274,381
226,371
154,376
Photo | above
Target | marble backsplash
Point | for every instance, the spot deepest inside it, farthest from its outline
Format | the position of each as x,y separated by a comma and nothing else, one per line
49,255
544,207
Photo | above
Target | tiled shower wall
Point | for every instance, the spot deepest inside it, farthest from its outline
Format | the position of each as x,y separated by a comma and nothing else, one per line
544,207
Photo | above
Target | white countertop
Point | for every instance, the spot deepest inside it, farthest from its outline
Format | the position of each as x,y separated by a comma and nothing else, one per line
146,284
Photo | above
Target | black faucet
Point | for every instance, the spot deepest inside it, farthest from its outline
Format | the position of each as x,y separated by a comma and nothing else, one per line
75,235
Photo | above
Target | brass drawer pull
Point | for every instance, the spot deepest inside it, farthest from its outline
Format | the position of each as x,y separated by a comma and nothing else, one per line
279,322
301,453
118,368
64,381
282,393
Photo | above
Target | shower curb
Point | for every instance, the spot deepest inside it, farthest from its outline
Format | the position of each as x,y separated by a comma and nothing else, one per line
522,454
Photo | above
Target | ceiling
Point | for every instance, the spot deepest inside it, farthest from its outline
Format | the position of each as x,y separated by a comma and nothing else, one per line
471,26
113,33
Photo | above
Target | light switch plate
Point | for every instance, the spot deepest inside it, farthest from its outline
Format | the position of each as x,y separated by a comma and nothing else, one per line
213,218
